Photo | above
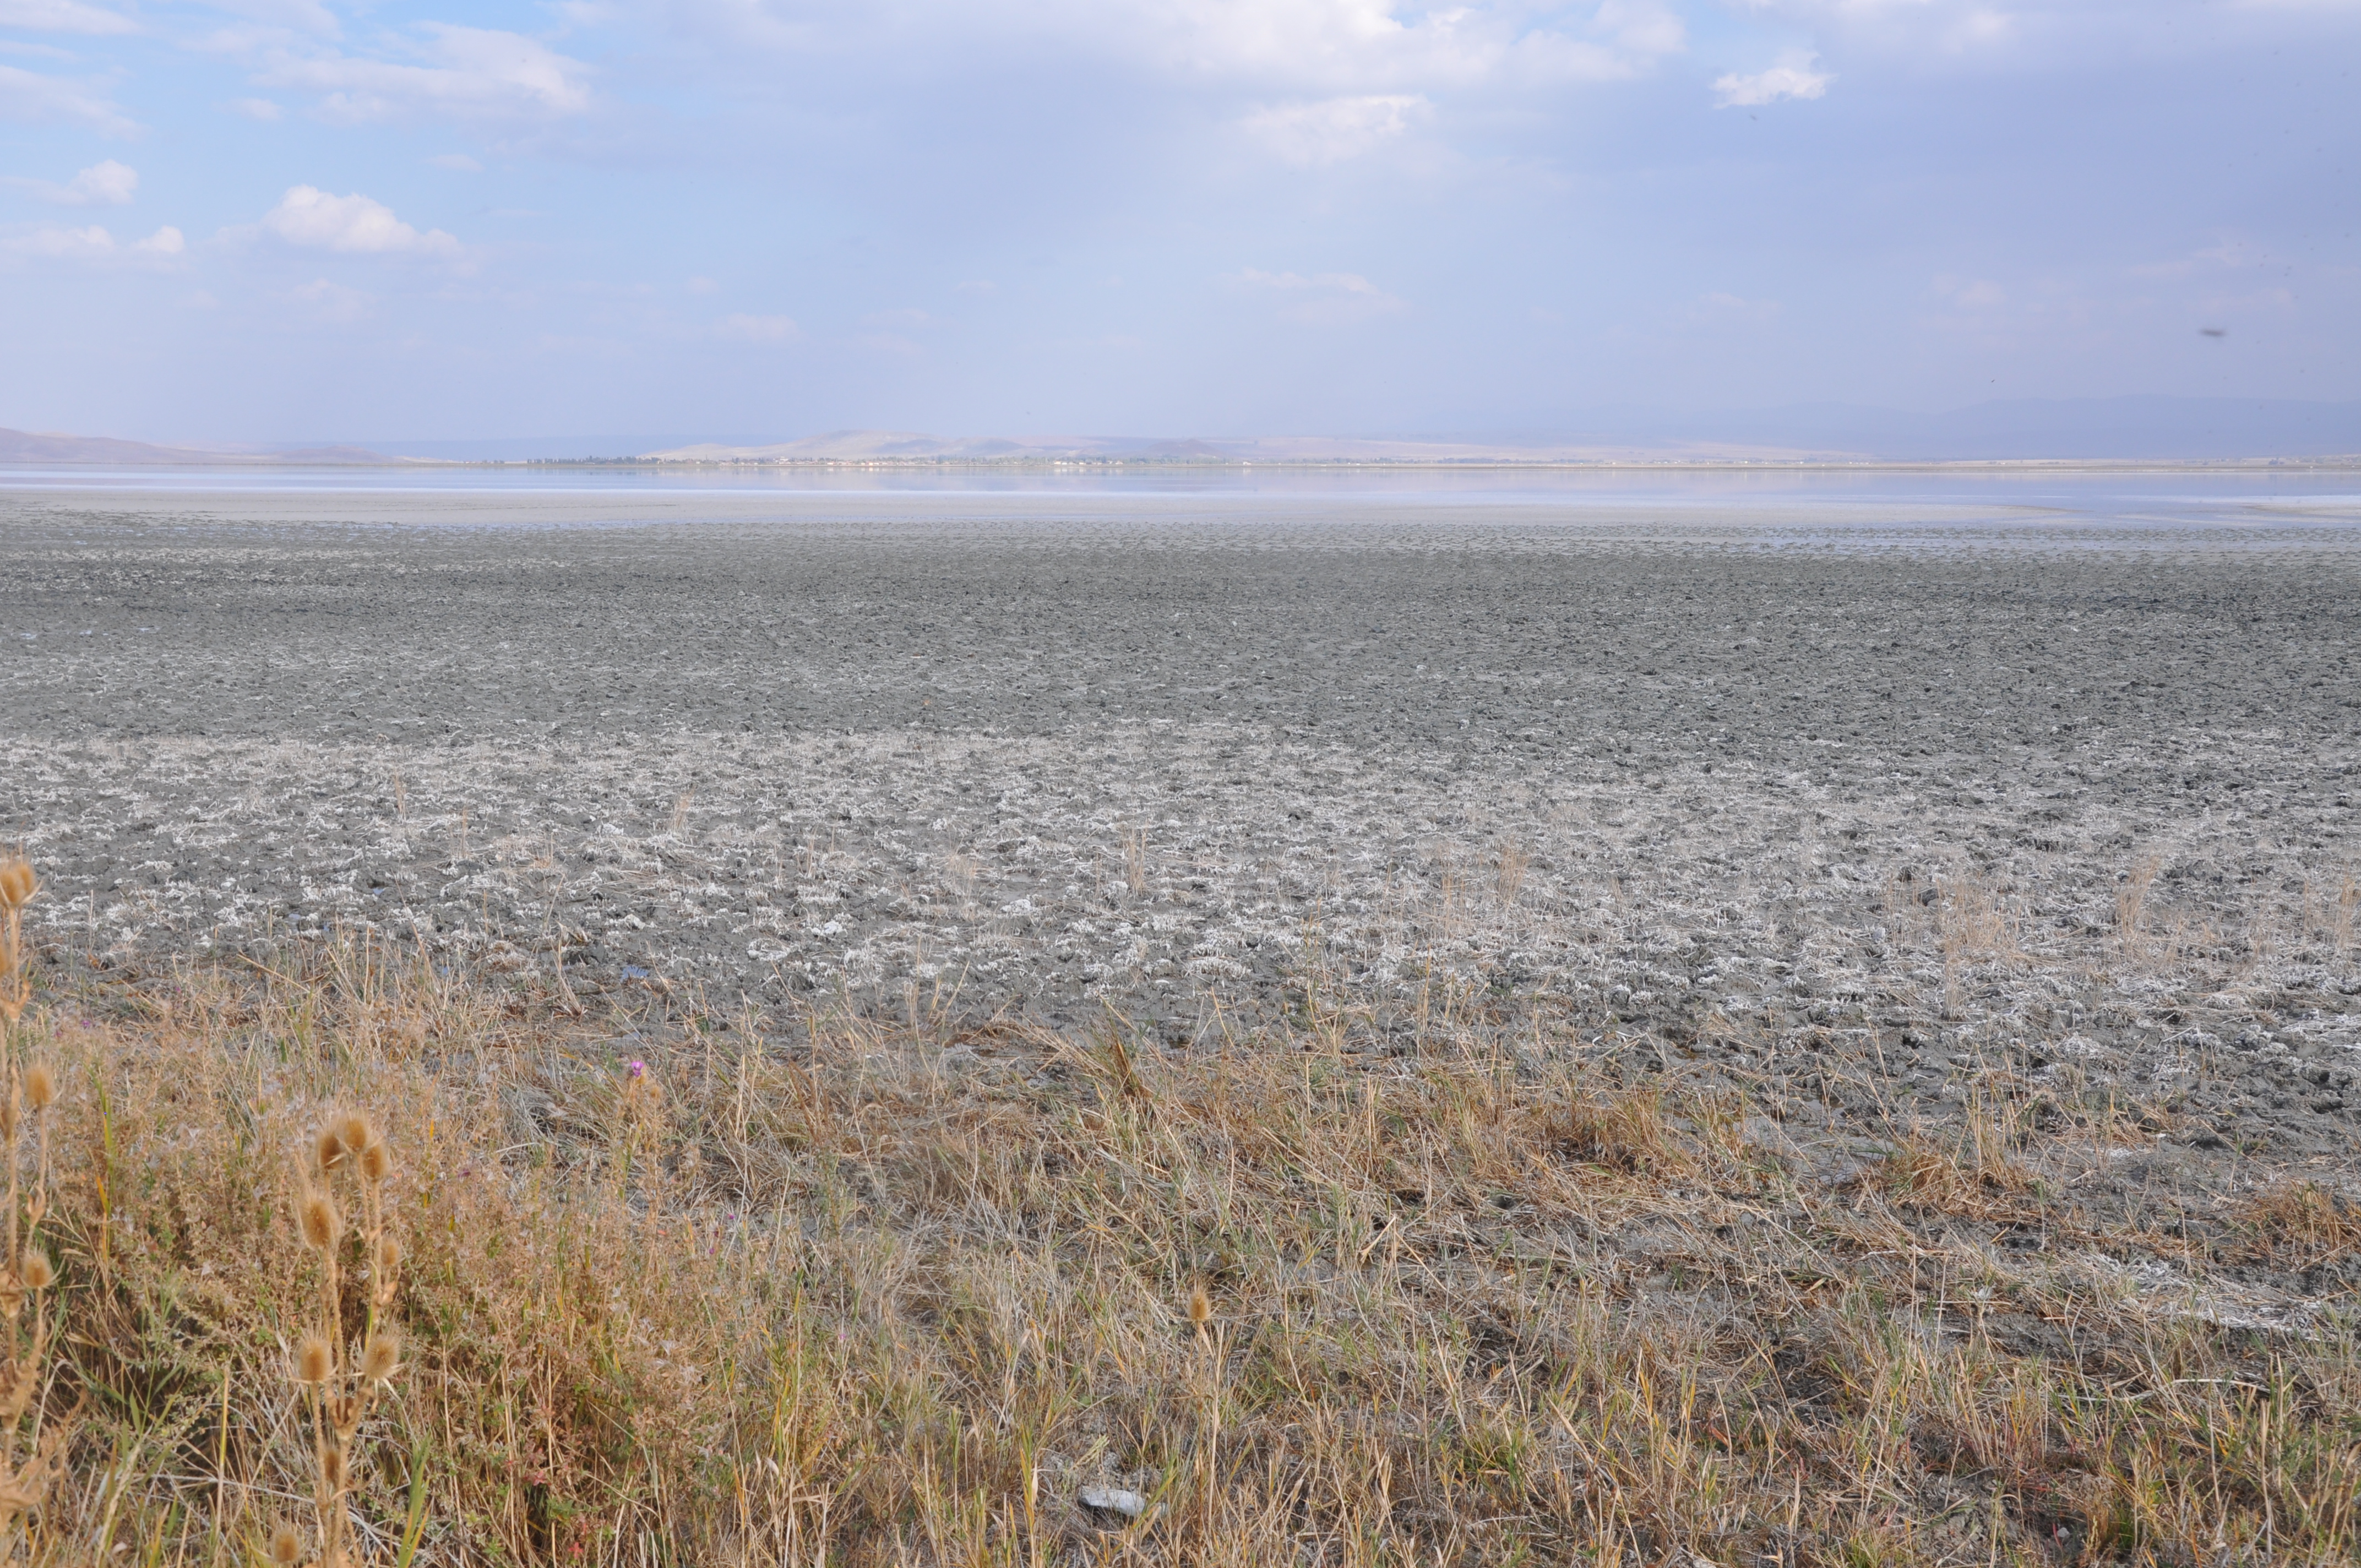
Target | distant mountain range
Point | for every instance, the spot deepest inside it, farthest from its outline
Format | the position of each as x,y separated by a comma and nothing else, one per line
2134,429
2128,429
2095,430
18,446
902,447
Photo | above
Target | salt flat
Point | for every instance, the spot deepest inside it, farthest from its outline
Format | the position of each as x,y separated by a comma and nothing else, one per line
1916,786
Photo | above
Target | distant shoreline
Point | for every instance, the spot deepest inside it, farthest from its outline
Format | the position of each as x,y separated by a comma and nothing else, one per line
2326,463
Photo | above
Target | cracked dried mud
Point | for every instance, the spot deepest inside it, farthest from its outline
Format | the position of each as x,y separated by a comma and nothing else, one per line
1862,807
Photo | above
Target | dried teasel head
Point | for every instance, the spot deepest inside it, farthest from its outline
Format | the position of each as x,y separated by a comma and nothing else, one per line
286,1546
321,1223
382,1359
328,1149
314,1360
1200,1307
41,1086
377,1162
389,1256
9,1105
17,884
38,1272
355,1132
331,1468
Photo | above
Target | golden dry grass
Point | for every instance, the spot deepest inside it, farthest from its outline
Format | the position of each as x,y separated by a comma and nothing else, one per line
870,1293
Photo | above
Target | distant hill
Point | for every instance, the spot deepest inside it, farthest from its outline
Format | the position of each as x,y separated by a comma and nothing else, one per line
19,446
2128,429
2084,429
2099,430
901,446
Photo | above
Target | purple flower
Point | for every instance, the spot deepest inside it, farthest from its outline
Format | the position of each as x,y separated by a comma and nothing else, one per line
639,1070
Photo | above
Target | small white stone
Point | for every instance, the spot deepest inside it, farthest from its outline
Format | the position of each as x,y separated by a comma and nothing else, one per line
1113,1500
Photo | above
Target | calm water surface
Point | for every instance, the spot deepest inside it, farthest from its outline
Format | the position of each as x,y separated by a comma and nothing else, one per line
2101,501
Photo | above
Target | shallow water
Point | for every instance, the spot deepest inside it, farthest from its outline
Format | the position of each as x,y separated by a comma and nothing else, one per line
1733,494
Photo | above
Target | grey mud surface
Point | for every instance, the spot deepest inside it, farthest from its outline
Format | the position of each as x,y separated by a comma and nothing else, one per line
1930,796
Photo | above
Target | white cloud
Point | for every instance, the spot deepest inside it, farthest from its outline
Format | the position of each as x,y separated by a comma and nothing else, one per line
1977,29
1324,297
63,16
473,73
57,242
702,286
102,184
35,99
1644,26
299,15
457,162
1970,293
1954,27
261,109
353,225
1362,46
758,329
1793,77
327,301
2230,253
1311,136
1723,308
1287,48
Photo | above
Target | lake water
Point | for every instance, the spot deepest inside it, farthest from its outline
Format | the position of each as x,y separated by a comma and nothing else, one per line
2098,491
2147,510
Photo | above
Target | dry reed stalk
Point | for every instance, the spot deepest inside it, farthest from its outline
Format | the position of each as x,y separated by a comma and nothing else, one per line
1510,862
1135,860
639,1144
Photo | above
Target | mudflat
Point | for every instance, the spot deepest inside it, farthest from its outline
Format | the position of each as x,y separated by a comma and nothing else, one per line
1918,793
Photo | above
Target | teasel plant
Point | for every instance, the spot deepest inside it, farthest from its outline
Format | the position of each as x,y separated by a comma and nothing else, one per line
29,1459
1209,1452
339,1381
17,886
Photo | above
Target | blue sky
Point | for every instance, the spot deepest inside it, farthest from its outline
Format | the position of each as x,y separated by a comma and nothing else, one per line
304,219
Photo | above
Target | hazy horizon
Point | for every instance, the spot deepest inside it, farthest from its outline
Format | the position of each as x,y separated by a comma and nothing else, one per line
2134,429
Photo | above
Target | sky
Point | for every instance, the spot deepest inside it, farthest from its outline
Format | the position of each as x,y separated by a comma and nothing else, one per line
311,220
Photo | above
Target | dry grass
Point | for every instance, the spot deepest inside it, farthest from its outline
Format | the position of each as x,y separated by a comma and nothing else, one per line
679,1290
2302,1220
1510,862
1135,860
